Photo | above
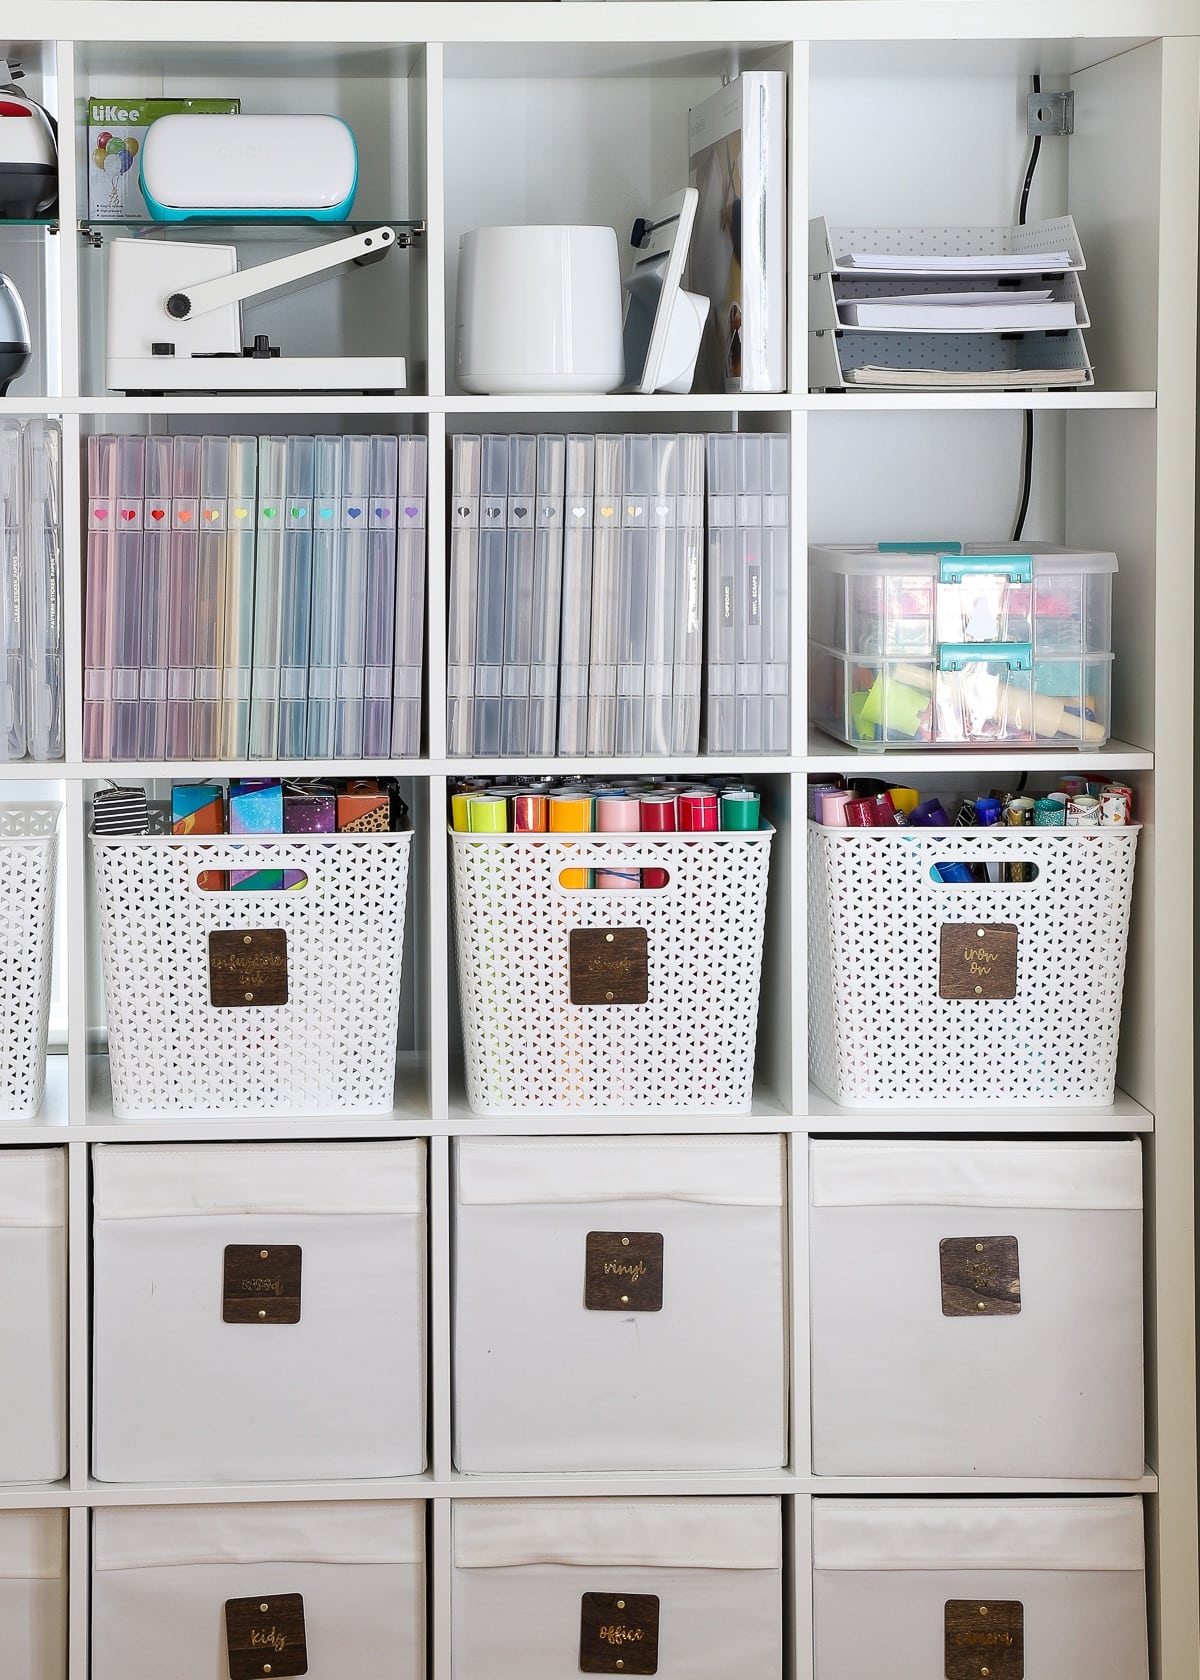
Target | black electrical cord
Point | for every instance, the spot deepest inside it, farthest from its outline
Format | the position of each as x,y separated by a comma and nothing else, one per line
1027,448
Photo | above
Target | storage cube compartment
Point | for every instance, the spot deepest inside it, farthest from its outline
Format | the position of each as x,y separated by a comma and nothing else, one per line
321,1041
33,1595
927,644
326,1590
28,870
33,1315
1040,1245
575,997
258,1311
968,1587
923,991
619,1304
685,1589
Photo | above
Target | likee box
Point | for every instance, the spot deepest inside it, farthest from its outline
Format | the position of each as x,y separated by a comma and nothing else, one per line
116,131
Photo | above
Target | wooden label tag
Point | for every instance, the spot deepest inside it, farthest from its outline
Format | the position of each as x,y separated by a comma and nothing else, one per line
985,1639
246,967
608,965
265,1636
981,1277
623,1271
978,960
262,1284
618,1633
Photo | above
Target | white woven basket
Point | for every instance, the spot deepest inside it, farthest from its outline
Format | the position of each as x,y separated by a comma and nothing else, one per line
330,1049
28,868
690,1046
879,1032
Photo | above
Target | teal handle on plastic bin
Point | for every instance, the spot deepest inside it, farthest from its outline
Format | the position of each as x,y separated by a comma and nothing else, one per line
1018,656
919,548
1017,568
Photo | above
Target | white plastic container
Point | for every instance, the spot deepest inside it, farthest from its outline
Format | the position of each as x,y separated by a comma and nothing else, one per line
28,868
33,1595
524,1571
935,644
300,1354
1040,1587
533,1039
329,1049
33,1315
889,1022
915,1249
619,1304
163,1575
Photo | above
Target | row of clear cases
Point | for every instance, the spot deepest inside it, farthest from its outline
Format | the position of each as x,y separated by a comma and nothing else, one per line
929,644
31,637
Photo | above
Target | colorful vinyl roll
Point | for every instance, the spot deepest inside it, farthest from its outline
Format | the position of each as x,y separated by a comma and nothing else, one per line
571,813
617,813
740,810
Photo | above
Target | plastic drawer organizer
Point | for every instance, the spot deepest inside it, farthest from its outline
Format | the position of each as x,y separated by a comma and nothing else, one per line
581,997
925,644
922,991
277,1001
949,269
28,867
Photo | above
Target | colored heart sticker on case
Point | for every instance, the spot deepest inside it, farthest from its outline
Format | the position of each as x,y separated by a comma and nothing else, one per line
412,512
382,512
326,513
185,514
578,512
128,513
158,513
269,513
298,513
240,513
101,513
520,512
211,513
354,512
607,512
463,510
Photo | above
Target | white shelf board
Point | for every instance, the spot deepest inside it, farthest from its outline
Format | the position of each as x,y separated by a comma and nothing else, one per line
195,770
1123,1115
1075,402
826,753
258,402
94,1493
35,1496
766,1114
406,1120
50,1124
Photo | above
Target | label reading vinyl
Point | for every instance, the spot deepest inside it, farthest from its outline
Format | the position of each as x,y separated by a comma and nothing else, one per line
262,1284
978,960
618,1633
609,965
985,1638
247,967
265,1635
981,1277
623,1271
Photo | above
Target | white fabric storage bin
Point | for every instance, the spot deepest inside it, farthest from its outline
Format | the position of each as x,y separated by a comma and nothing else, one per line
1034,1587
162,1577
564,1359
525,1571
192,1245
33,1595
33,1315
911,1375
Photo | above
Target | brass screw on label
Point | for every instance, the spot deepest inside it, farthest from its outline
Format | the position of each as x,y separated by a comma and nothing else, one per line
620,1604
608,997
978,989
250,996
980,933
266,1668
981,1306
979,1250
246,939
264,1607
264,1253
624,1242
262,1312
619,1663
983,1609
608,938
985,1670
624,1300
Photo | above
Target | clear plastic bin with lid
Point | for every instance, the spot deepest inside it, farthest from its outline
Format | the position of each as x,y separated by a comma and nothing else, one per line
945,643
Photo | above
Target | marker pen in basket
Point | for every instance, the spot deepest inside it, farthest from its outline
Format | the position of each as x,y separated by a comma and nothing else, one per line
656,814
570,812
617,813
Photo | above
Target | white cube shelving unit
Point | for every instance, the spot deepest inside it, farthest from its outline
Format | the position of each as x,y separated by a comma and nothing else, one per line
906,113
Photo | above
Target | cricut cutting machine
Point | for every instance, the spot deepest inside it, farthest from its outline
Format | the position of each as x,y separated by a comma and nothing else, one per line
174,319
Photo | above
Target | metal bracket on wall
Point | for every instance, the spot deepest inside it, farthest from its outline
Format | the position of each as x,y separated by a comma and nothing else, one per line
1051,113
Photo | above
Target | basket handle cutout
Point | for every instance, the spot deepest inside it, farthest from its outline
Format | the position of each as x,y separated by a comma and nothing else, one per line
251,880
948,872
610,879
